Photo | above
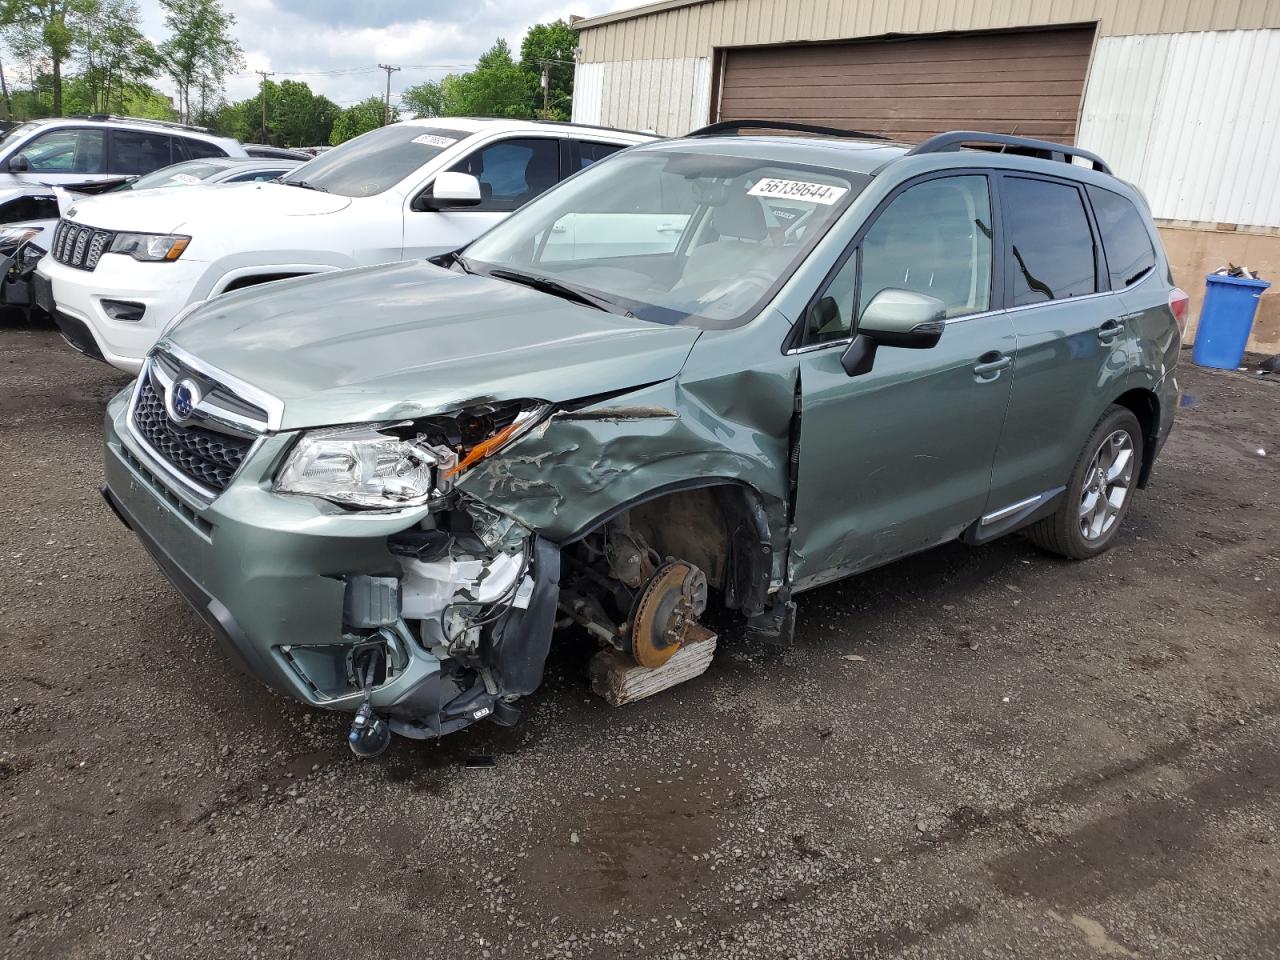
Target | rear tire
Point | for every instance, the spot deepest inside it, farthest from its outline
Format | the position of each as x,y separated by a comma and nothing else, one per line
1099,493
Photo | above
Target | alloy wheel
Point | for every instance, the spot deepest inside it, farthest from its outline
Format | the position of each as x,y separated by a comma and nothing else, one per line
1106,485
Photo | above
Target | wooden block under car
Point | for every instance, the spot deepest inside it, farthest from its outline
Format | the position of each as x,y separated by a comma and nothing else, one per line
619,679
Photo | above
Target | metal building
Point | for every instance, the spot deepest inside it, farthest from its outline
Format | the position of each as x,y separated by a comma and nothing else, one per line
1182,98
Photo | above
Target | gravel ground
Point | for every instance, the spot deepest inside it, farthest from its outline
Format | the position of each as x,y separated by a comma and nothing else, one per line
972,753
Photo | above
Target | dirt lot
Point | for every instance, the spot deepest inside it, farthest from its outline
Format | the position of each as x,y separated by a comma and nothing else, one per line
972,753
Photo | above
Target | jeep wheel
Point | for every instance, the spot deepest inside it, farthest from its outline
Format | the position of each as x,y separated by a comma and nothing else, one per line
1099,493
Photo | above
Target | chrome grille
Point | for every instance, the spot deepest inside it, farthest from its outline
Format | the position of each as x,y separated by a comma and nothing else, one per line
208,458
206,450
79,246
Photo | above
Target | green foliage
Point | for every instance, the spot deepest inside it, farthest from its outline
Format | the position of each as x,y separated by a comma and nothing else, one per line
500,87
364,116
116,59
551,45
199,52
296,117
47,30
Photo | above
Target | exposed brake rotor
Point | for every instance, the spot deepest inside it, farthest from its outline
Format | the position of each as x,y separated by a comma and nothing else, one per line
665,613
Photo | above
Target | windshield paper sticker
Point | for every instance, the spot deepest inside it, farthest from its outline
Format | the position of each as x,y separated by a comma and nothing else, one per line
798,190
185,178
431,140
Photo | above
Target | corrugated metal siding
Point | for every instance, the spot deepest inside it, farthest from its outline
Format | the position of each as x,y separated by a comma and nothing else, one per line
1193,119
666,95
694,30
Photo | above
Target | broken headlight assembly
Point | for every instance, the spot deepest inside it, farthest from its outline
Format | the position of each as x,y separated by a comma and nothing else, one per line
404,464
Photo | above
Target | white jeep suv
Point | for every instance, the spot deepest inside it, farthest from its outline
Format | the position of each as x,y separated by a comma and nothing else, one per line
121,267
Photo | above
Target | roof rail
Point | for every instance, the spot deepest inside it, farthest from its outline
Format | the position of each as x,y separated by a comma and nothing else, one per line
155,123
1045,149
736,126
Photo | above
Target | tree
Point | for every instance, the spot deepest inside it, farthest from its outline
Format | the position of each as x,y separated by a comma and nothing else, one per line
497,87
299,117
361,118
425,99
200,52
551,45
116,58
47,30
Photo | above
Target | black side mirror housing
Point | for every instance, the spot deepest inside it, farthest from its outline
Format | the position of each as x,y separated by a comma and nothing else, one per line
18,164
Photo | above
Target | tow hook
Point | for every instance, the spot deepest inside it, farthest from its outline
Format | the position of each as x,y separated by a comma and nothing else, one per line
370,734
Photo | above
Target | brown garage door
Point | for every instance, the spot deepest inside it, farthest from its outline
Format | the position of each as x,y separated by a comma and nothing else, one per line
1028,83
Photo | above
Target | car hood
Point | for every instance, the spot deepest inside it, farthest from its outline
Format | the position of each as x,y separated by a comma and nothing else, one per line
410,339
227,205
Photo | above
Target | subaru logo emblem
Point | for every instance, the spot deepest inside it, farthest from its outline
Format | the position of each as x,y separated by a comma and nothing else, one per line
182,397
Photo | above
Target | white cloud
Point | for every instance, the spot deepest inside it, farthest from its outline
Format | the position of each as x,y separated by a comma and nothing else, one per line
311,40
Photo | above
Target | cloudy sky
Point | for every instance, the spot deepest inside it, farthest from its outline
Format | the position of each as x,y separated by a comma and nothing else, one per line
313,40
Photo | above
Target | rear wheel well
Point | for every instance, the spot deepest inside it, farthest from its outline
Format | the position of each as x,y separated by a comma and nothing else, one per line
239,283
1146,407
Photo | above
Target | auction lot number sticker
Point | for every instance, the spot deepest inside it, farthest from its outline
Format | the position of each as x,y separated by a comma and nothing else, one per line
432,140
823,193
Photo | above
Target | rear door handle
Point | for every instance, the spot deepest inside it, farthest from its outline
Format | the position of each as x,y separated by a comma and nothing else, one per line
1110,330
990,364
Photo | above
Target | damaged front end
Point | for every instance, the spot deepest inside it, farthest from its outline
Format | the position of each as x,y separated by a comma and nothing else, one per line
460,626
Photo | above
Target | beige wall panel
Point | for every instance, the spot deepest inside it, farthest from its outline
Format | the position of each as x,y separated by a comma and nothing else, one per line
674,30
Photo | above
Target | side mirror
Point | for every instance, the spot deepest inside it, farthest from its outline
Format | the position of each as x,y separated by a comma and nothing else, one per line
18,163
451,189
894,318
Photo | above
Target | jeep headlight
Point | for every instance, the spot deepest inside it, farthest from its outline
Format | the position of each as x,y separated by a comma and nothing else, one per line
405,464
157,247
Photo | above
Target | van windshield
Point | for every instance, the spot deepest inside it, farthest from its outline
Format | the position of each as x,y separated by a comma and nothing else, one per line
374,161
678,238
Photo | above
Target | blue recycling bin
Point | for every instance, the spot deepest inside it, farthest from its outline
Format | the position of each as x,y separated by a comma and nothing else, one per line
1225,320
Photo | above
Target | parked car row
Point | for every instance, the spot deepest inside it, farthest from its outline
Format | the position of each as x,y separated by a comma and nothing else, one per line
472,406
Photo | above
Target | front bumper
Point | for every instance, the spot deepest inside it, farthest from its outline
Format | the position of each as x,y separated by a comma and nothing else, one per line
269,574
162,288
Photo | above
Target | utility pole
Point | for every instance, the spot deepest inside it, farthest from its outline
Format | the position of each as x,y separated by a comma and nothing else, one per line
263,97
546,90
386,109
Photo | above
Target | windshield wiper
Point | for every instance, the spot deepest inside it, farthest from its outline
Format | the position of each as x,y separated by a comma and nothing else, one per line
305,185
560,289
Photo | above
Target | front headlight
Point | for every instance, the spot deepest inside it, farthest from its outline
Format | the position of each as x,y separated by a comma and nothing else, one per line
149,247
405,464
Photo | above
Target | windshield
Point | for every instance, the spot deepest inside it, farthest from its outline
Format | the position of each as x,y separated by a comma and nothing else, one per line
178,175
15,134
376,160
678,238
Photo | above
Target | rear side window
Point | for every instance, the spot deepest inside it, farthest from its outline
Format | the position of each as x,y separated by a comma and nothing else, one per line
1125,240
1051,255
200,149
587,152
136,152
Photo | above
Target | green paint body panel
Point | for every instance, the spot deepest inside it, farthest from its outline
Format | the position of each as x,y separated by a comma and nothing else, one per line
890,462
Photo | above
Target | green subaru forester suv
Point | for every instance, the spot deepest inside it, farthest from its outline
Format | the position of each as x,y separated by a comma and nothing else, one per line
724,368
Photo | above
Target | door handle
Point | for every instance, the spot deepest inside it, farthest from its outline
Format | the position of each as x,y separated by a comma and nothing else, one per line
1110,330
990,364
669,228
